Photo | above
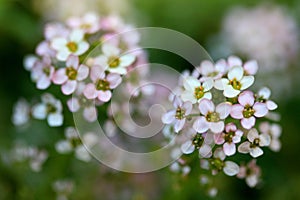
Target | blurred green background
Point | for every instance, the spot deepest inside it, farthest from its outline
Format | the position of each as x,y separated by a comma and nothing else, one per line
21,28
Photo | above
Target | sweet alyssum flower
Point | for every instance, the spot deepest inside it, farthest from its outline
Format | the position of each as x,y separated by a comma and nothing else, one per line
69,76
113,60
210,70
212,116
50,108
274,130
263,95
178,115
255,141
73,44
229,138
248,109
21,113
250,172
102,84
90,23
194,90
235,82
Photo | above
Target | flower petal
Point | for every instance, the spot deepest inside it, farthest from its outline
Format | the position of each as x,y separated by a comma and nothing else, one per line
229,148
126,60
76,35
260,109
234,61
60,76
110,50
82,73
55,119
90,91
187,106
264,93
220,84
230,92
246,82
248,123
69,87
200,125
43,82
205,151
72,61
216,127
256,152
104,95
246,98
73,104
39,111
82,48
114,80
252,135
223,109
179,125
90,114
205,106
168,117
264,140
271,105
187,147
231,168
236,72
208,84
251,67
190,83
244,147
236,111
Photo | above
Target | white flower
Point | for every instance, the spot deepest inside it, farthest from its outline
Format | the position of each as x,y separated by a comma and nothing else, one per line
274,130
49,108
195,90
214,71
251,172
21,113
264,95
255,142
235,82
212,118
73,44
90,23
178,115
112,59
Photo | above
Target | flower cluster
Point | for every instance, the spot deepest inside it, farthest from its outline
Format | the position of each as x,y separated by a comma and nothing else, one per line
221,117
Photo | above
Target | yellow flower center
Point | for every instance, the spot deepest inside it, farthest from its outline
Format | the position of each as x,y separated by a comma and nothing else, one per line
248,111
71,73
180,113
235,84
102,84
199,92
213,117
113,62
72,46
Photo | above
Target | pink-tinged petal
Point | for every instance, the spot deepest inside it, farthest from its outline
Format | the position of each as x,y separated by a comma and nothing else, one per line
223,109
118,70
43,82
237,111
206,67
246,82
252,180
82,73
187,147
168,117
97,72
231,168
205,151
90,114
220,84
58,43
73,104
90,91
236,72
256,152
276,130
219,138
55,119
264,93
248,123
260,109
246,98
69,87
201,125
252,135
251,67
82,48
271,105
230,127
179,125
60,76
110,50
275,145
63,54
187,106
177,102
229,148
205,106
104,95
221,66
244,147
234,61
114,80
76,35
237,137
230,92
208,84
216,127
72,61
126,60
264,140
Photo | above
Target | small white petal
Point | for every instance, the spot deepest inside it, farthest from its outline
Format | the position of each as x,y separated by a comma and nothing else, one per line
231,168
200,125
236,72
264,139
168,117
127,60
220,84
205,151
244,147
39,111
256,152
55,119
179,125
246,82
187,147
252,134
230,92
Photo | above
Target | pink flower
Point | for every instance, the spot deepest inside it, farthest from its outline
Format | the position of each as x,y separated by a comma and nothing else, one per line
213,116
251,173
248,109
90,23
178,115
215,71
102,84
229,138
69,76
255,142
42,72
250,67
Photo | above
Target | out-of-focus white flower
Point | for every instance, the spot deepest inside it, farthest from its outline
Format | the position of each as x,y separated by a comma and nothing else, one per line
264,95
265,33
63,188
90,22
50,108
274,130
250,172
21,113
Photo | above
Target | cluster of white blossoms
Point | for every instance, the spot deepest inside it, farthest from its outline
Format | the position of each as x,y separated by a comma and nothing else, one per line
266,33
217,116
78,64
